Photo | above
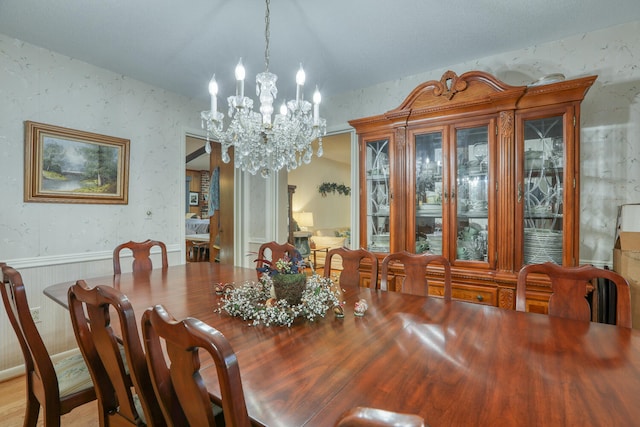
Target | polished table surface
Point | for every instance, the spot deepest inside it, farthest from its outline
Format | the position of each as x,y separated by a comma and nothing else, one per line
456,364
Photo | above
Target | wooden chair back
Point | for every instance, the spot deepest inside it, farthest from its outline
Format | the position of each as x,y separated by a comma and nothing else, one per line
43,387
113,372
141,255
179,387
273,251
415,270
373,417
569,286
351,261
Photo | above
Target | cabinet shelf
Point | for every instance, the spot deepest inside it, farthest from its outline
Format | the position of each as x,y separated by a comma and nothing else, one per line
378,178
544,171
473,214
542,216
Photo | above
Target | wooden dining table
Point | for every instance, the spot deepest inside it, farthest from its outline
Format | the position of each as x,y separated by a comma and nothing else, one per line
454,363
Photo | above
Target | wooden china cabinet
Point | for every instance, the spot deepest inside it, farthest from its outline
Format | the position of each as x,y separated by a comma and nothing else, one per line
484,173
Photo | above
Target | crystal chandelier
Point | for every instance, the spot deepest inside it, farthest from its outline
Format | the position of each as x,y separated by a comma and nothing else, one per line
261,144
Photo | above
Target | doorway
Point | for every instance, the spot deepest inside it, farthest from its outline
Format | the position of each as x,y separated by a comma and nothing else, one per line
215,196
331,212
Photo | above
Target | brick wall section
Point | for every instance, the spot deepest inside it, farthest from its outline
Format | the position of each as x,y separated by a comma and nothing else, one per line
204,194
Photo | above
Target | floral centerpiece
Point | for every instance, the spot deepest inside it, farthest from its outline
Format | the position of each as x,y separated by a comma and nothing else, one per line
281,295
287,277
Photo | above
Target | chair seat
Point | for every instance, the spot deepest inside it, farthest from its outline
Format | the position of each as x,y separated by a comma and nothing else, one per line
55,387
73,375
138,405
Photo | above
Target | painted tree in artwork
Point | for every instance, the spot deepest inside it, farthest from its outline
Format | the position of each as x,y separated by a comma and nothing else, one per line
53,157
101,163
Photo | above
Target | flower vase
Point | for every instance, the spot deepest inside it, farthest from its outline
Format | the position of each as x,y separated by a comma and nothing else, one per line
289,287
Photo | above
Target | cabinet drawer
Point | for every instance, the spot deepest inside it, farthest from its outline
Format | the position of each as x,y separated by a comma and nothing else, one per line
477,294
537,302
365,281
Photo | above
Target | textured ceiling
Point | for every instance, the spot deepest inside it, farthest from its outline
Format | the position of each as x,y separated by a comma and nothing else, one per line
343,45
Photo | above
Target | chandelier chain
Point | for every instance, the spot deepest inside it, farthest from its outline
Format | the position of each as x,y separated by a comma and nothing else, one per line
267,35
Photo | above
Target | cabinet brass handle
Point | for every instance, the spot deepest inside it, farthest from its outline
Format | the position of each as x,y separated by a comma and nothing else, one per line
519,192
479,297
445,195
453,195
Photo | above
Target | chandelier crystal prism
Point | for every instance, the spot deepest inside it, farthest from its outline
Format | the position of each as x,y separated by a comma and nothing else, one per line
260,143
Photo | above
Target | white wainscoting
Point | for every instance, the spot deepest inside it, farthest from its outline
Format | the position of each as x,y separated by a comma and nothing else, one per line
55,326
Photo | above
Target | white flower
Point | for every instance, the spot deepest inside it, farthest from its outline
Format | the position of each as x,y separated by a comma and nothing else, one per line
250,302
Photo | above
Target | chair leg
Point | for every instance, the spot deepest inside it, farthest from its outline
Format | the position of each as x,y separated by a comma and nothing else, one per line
51,416
32,411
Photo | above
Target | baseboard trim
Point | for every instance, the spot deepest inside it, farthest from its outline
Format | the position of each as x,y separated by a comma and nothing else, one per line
17,371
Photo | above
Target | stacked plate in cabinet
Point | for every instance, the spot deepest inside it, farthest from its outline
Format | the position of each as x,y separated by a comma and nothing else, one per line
380,243
430,209
542,245
435,243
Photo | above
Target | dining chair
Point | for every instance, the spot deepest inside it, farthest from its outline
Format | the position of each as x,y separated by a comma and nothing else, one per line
569,287
414,280
114,357
272,251
373,417
141,255
56,387
178,386
351,261
197,251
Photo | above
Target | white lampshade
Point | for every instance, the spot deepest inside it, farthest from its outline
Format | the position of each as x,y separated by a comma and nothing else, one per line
304,219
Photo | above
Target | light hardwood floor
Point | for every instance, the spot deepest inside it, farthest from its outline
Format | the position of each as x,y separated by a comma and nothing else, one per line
12,406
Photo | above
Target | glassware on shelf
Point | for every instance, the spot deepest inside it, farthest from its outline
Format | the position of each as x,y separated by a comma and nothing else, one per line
480,152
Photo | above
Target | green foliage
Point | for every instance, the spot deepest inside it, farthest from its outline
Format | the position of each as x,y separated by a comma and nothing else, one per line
332,187
101,163
53,158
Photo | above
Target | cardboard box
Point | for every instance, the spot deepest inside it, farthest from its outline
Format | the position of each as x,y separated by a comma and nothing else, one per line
628,219
626,262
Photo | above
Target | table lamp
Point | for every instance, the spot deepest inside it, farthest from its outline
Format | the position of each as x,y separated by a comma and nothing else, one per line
304,220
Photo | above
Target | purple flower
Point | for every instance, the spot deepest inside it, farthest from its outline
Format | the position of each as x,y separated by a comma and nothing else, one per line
286,265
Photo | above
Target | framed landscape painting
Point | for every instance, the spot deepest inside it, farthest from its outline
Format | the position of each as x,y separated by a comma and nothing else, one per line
71,166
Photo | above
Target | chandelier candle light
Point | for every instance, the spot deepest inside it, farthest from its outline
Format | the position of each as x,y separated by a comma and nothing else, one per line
261,144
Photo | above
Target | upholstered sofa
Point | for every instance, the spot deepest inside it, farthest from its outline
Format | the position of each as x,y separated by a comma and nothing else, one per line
329,238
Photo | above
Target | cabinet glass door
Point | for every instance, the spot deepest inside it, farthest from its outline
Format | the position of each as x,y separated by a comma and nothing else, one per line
377,196
472,193
428,228
543,190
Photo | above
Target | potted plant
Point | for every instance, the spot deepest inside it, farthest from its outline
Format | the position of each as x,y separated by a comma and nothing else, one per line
288,277
332,187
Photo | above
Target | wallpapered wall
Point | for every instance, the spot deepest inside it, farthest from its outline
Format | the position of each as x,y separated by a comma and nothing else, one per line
52,242
42,86
610,116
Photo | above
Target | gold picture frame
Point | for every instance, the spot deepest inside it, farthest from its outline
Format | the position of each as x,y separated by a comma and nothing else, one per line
64,165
